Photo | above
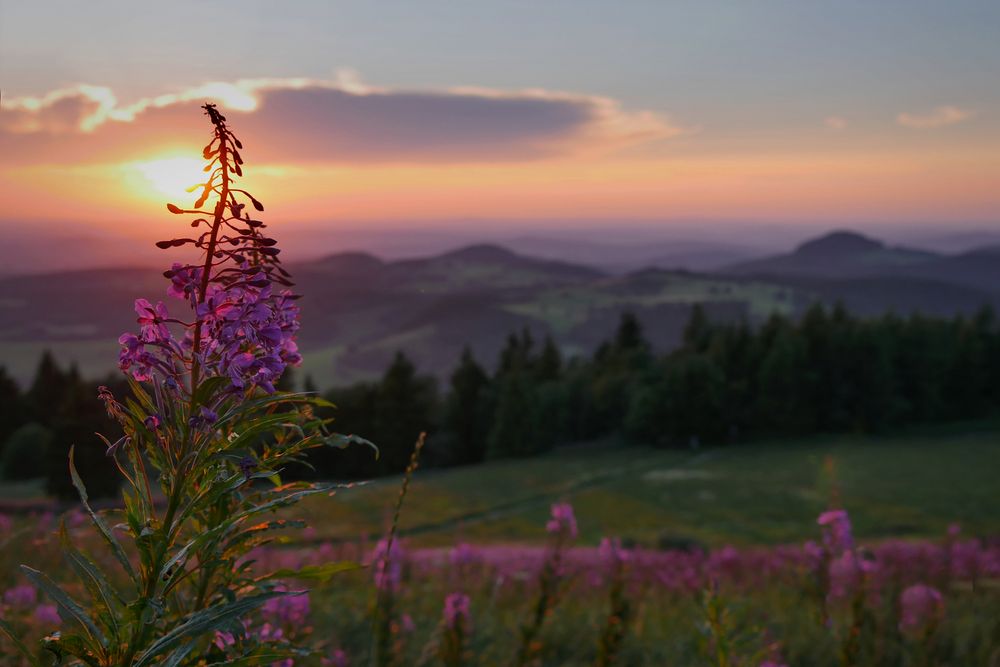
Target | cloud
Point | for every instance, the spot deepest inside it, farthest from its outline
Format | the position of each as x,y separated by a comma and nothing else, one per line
835,122
78,109
937,117
343,120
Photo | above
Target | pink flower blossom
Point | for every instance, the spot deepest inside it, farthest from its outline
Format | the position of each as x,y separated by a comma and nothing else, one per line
921,608
837,535
46,615
563,522
387,563
22,596
337,659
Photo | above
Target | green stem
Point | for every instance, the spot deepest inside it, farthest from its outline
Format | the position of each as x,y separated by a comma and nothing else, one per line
139,636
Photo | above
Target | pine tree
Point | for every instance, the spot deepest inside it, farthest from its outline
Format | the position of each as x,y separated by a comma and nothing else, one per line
512,432
48,390
11,406
405,405
698,332
549,365
466,414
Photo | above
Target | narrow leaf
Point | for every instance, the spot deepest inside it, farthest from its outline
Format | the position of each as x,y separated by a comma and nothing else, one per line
204,621
116,548
67,604
18,644
321,573
93,579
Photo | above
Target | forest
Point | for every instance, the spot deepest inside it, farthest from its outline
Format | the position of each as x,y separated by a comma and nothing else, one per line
726,384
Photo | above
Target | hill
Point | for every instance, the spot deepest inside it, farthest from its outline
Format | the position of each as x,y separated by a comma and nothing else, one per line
358,309
839,254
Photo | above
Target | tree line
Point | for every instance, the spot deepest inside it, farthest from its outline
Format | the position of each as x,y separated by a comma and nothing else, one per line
824,372
38,426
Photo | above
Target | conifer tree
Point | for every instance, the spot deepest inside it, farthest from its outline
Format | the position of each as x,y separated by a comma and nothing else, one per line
466,413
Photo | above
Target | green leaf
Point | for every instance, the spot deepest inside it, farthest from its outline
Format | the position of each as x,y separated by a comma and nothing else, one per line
204,621
65,603
255,530
177,656
321,573
260,426
255,405
100,589
140,395
6,628
61,644
116,548
287,499
209,388
341,441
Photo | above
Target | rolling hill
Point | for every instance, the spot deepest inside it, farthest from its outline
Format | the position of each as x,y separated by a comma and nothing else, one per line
358,309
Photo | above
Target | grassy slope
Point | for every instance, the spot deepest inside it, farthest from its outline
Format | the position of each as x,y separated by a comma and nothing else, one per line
564,308
765,493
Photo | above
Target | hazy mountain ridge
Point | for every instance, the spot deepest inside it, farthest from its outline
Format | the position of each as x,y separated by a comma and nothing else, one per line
358,309
848,255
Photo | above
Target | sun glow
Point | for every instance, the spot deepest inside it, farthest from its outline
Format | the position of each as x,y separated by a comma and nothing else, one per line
171,177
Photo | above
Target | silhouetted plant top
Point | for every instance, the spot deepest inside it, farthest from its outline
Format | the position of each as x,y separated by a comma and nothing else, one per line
243,327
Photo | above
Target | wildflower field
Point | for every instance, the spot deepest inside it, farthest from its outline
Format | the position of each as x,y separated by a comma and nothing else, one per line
593,556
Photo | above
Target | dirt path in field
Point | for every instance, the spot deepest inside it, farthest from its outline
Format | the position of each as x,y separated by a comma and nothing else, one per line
517,505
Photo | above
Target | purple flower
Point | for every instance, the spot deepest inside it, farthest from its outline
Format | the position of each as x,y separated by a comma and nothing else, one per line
205,418
337,659
46,614
247,332
921,609
287,610
406,623
184,282
612,554
247,466
464,554
152,422
387,565
223,639
22,595
151,321
135,360
837,535
847,575
563,522
457,610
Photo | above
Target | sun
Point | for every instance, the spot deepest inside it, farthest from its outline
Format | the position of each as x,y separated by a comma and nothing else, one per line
172,176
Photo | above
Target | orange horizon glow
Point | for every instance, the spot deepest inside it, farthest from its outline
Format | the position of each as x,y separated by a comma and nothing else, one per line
783,188
119,165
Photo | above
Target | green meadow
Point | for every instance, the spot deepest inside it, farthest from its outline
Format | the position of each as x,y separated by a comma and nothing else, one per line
768,493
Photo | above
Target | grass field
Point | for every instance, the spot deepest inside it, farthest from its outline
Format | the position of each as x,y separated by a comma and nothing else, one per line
564,308
768,493
765,493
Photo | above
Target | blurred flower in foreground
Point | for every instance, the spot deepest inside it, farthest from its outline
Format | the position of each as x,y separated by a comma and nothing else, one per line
921,609
563,522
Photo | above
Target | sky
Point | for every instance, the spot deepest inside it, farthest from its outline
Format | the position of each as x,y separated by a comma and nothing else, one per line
478,115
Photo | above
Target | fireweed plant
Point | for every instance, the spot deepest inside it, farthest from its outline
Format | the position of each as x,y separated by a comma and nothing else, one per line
204,423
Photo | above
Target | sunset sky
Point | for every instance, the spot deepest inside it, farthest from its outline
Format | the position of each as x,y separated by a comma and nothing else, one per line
433,113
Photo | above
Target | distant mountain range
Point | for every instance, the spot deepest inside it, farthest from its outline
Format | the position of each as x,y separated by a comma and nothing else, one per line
872,277
358,309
